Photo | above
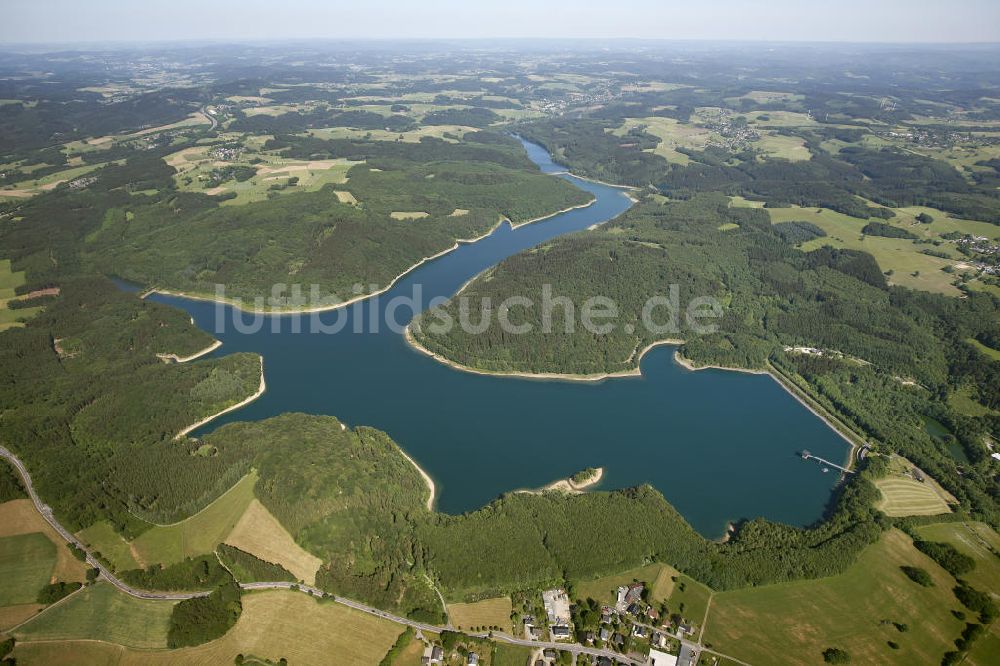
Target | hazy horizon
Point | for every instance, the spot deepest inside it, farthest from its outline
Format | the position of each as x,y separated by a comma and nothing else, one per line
50,22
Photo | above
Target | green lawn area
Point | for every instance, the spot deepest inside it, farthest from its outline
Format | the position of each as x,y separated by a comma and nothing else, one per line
26,563
801,619
977,540
693,596
10,280
986,651
657,576
101,612
791,148
102,538
200,533
989,352
963,402
485,613
510,655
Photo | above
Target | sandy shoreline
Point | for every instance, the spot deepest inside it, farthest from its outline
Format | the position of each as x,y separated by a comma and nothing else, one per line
567,485
242,403
427,479
687,364
184,359
280,311
543,376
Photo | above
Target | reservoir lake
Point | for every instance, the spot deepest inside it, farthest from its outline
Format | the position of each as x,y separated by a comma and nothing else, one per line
719,445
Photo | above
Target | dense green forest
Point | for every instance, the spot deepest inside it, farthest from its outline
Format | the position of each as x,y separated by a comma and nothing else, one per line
93,411
248,568
202,619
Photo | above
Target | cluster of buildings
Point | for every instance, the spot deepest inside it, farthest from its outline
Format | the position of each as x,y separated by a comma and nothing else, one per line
983,248
434,654
630,618
226,152
735,132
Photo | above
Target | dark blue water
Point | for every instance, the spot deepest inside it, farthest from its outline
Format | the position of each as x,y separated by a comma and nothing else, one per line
719,445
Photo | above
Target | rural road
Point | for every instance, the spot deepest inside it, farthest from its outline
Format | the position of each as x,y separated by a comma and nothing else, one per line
106,574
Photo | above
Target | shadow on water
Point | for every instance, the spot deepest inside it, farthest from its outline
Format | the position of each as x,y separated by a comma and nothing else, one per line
719,445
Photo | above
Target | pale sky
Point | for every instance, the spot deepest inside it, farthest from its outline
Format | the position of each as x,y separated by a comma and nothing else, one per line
61,21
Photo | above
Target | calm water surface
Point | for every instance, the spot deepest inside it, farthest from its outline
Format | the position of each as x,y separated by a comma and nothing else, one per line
719,445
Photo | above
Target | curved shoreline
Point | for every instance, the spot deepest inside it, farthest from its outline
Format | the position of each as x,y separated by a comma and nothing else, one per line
246,401
179,359
828,419
280,311
565,485
542,376
427,478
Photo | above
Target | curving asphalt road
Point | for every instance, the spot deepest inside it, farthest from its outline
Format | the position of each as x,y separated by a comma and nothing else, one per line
106,574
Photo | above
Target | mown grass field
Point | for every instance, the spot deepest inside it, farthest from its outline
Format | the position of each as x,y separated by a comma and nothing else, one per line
907,497
485,613
20,517
799,620
200,533
273,625
977,540
658,577
26,563
260,533
101,612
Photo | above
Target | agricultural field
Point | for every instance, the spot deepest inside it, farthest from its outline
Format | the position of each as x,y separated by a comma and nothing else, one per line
977,540
909,266
259,533
904,495
200,533
11,616
202,169
273,625
792,148
485,613
101,612
26,563
449,133
30,188
799,620
659,578
673,134
19,517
